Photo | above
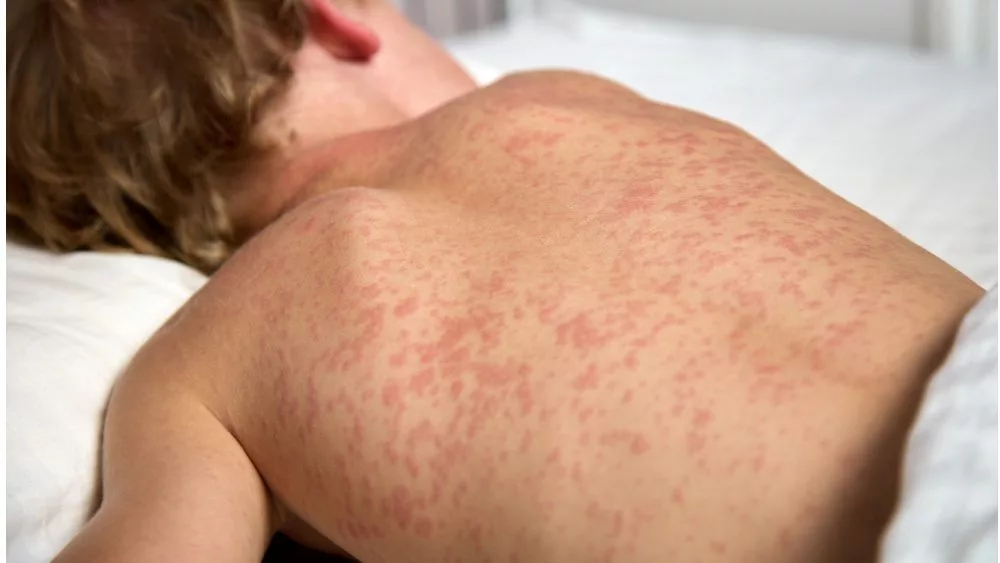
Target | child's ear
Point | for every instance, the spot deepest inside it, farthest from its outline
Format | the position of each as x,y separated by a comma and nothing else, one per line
344,37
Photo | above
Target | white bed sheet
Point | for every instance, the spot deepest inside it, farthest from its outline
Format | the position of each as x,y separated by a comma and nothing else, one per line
912,140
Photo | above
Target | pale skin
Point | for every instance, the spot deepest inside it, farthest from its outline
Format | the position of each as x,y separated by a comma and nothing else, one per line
549,320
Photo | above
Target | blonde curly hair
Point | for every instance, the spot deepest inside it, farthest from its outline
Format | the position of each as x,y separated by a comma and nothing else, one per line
126,117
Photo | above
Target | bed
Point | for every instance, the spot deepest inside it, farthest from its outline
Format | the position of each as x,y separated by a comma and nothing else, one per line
912,140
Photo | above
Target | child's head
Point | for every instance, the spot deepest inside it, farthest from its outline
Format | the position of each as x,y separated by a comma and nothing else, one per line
125,117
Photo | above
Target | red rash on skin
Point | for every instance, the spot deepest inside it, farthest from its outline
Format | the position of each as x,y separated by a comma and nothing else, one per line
588,380
635,441
639,198
581,333
391,394
406,307
695,442
433,351
455,389
424,527
398,359
702,417
420,381
616,529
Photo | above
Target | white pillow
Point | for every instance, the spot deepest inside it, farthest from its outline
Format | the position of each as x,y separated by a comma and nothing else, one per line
73,321
948,508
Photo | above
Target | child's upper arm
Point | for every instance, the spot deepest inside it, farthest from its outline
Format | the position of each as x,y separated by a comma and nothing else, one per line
177,486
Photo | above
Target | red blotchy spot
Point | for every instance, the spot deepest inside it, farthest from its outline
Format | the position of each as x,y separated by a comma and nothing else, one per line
636,442
718,547
358,430
422,433
637,199
616,527
411,467
678,496
627,397
392,394
423,527
399,507
587,380
695,442
594,511
455,389
581,333
550,139
639,445
630,361
396,360
421,380
585,414
406,306
669,287
494,375
553,457
525,397
676,207
702,417
476,534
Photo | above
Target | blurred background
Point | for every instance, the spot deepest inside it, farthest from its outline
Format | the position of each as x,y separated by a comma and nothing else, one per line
964,30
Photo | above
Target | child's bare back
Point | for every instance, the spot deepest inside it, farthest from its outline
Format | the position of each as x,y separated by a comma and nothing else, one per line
564,324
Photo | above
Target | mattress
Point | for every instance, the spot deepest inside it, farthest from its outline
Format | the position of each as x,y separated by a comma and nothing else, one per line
910,139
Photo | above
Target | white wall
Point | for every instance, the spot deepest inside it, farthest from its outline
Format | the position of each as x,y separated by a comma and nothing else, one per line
887,21
448,17
963,29
966,30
